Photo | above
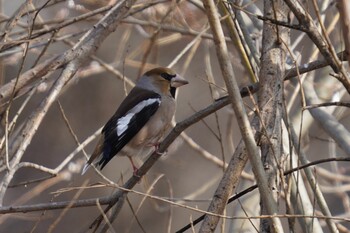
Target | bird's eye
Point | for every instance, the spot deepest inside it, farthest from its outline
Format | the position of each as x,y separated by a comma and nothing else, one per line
167,76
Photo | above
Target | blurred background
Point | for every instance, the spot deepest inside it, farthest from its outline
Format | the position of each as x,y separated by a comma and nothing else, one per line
160,33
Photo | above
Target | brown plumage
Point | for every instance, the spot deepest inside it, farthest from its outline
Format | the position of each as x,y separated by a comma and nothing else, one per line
141,120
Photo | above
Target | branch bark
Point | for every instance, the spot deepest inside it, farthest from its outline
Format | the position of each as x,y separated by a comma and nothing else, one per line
270,99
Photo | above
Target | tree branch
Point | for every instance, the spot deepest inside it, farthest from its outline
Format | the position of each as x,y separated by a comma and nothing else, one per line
210,223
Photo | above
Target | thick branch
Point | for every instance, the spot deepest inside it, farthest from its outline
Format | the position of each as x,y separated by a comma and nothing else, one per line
210,224
270,99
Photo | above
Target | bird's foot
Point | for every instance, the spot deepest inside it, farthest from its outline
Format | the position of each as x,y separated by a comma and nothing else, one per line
134,173
134,168
156,149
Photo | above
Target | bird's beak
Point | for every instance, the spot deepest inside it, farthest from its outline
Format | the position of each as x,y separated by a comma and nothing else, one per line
178,81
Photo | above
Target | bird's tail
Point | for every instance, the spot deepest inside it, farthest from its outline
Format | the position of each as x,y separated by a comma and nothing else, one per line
86,167
94,156
96,164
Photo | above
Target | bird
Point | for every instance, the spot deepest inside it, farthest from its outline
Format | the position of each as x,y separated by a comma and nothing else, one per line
141,120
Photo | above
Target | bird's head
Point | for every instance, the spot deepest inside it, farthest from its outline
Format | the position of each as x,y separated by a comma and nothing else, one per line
163,80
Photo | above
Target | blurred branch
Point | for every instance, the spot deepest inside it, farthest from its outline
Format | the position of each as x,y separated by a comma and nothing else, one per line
41,43
344,11
12,22
312,180
39,71
31,127
326,49
170,28
65,210
52,3
106,200
327,121
40,32
47,67
340,104
239,43
312,66
75,57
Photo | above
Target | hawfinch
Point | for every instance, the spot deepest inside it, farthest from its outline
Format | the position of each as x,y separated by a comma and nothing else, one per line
141,120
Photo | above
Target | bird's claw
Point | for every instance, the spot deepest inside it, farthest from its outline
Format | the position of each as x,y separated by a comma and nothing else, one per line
156,149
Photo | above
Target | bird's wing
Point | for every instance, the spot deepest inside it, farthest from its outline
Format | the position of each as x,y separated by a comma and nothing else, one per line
133,113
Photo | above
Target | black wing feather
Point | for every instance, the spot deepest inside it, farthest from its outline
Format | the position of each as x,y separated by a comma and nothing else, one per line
114,143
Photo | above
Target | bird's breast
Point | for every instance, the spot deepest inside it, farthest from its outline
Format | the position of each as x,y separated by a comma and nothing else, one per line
156,127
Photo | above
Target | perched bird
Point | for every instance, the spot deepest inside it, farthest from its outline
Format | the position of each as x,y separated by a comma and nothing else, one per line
141,120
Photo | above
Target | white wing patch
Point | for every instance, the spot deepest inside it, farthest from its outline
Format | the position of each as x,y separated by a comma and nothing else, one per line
123,122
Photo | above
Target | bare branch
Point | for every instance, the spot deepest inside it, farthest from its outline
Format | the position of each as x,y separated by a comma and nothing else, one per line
226,68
